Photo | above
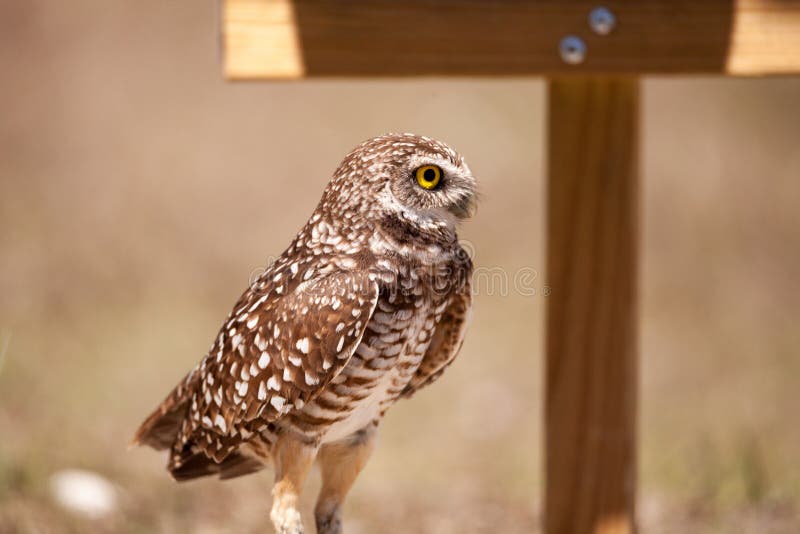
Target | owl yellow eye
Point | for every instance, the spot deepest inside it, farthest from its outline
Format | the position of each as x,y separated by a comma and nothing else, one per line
428,176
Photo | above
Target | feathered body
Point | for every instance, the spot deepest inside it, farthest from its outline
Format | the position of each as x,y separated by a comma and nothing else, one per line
367,304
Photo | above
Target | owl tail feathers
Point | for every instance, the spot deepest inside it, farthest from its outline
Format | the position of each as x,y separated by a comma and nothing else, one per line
195,464
160,429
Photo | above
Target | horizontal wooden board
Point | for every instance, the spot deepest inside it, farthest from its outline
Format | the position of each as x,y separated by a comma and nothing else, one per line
285,39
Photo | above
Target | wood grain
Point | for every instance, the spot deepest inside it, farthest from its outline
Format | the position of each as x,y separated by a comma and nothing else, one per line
289,39
591,354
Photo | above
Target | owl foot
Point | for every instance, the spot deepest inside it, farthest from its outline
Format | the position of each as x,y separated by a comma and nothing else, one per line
286,521
328,517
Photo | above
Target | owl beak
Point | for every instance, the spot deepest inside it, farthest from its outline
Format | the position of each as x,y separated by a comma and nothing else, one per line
464,208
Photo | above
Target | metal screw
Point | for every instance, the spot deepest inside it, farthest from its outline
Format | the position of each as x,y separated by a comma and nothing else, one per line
602,20
572,49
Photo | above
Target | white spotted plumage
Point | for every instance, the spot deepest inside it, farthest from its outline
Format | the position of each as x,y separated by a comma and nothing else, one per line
367,304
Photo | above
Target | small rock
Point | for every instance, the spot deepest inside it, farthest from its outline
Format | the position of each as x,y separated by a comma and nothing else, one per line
84,492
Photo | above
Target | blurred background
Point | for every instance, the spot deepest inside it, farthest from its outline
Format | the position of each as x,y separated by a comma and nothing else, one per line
138,191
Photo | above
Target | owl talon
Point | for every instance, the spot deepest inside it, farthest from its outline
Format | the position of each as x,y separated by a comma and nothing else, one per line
287,521
328,519
331,525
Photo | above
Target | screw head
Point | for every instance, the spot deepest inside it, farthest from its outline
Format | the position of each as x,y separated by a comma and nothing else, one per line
572,49
602,20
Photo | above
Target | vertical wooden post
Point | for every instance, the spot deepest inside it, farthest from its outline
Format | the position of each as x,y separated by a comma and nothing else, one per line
591,360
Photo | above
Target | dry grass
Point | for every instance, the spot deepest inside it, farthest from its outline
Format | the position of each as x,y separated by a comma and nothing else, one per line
138,191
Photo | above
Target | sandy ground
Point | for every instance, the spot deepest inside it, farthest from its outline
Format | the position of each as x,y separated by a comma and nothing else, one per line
138,191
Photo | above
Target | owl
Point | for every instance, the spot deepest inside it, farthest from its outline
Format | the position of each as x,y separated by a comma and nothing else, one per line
368,304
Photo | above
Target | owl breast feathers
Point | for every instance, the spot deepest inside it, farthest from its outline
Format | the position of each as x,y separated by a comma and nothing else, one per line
368,304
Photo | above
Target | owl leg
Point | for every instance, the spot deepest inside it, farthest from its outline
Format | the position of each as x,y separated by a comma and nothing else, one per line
293,458
340,463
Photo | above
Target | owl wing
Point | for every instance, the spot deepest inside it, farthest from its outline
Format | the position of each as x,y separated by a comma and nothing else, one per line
280,347
447,338
281,351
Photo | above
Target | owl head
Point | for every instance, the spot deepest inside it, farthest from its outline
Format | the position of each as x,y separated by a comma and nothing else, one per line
415,179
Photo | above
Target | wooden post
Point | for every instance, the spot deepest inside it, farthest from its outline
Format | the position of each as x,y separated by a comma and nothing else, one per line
591,360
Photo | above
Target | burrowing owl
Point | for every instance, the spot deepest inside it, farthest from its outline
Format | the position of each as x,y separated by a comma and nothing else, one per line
368,304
